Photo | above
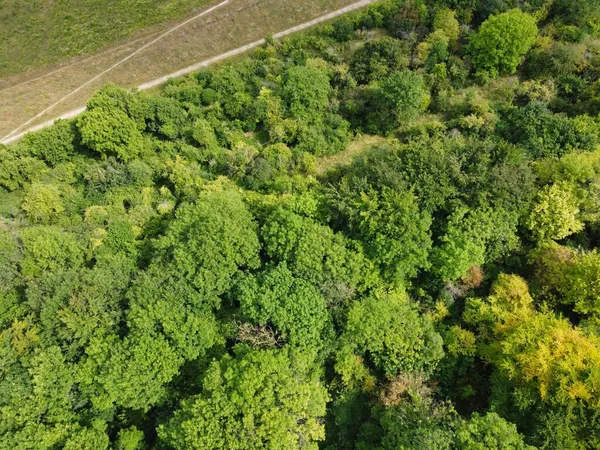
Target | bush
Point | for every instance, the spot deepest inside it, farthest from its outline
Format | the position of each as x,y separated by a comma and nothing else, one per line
54,144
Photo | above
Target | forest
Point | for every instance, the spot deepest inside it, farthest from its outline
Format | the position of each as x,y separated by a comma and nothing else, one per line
378,234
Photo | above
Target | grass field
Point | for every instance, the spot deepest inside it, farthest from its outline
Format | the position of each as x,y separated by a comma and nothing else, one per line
42,32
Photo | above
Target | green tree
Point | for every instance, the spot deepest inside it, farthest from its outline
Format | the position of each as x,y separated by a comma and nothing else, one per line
16,169
160,303
294,306
555,213
259,399
132,372
569,276
47,249
407,416
445,21
378,59
110,132
54,144
400,99
392,226
43,203
543,365
489,432
306,90
396,338
462,246
112,97
210,240
501,42
314,252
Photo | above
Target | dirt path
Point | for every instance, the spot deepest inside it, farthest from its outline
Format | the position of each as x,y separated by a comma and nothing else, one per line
18,132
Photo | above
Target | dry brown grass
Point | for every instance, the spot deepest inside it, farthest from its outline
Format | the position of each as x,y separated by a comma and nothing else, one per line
235,24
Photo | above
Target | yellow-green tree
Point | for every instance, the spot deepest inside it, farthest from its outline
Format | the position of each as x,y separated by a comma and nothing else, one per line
501,42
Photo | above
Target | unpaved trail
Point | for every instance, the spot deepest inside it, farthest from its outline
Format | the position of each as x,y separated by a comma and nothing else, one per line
18,133
114,66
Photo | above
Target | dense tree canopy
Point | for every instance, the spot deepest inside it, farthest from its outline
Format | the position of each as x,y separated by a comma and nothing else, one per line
381,233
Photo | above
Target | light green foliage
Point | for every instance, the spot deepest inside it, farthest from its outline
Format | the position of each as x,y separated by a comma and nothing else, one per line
555,213
261,399
501,42
43,203
210,240
38,413
16,170
489,432
313,252
582,284
544,361
204,135
445,21
132,373
294,306
160,303
195,269
112,97
573,277
394,335
110,132
306,90
130,439
48,248
462,246
279,156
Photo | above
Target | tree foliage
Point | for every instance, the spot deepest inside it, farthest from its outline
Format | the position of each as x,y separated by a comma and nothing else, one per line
261,399
501,42
346,239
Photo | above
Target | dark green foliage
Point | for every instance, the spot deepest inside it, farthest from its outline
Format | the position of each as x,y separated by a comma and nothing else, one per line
53,145
378,59
394,230
400,99
544,134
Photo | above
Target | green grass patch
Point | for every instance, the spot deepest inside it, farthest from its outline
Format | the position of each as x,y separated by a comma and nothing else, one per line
42,32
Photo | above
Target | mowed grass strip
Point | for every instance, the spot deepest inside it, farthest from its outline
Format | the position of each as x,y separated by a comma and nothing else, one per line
43,32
